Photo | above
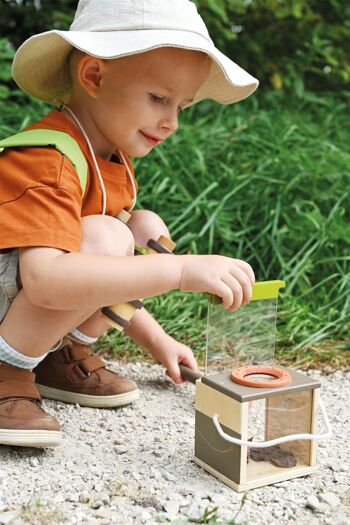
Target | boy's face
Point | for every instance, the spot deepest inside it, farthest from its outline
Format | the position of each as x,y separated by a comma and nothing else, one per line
139,98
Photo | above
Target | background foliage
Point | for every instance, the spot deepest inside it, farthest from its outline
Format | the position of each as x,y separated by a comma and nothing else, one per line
266,180
290,44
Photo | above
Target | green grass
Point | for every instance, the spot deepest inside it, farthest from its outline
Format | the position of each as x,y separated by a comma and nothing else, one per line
38,513
266,180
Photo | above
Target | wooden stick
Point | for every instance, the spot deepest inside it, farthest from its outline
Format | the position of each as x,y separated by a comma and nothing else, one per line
188,373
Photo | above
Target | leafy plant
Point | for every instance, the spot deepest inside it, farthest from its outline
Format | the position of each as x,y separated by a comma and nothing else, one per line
21,19
296,45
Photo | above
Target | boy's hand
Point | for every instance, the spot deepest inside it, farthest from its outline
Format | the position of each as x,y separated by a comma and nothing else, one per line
230,279
171,353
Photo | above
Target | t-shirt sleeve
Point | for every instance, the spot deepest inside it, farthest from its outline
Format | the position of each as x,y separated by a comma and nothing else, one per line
40,200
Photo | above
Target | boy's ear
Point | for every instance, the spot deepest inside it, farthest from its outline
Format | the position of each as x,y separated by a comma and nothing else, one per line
90,71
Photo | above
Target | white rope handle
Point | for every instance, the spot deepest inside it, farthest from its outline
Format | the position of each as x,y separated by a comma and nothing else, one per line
103,189
283,439
80,126
131,179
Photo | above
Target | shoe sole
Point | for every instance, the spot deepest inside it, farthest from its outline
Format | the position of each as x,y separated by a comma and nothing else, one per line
88,400
30,438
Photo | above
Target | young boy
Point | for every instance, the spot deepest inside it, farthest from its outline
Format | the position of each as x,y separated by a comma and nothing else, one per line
125,69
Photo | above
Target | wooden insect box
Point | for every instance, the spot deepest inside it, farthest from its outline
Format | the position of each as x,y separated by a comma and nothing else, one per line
248,413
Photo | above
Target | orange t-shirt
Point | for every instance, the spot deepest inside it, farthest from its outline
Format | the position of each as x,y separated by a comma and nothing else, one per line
41,202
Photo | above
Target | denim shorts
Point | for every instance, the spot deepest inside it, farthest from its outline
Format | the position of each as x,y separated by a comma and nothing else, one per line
8,280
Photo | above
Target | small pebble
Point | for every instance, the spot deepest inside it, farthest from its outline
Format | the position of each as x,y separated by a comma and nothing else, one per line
96,504
330,498
74,498
171,507
6,518
168,476
103,513
84,497
120,449
313,502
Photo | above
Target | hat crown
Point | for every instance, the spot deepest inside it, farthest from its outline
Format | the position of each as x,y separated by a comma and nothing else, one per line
131,15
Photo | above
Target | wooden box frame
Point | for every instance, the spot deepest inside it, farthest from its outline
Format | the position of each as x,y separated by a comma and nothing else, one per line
218,394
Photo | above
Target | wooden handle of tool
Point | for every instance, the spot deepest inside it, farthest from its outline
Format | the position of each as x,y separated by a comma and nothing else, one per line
189,374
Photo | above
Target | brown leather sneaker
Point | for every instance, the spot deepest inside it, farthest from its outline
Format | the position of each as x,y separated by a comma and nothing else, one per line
72,374
23,422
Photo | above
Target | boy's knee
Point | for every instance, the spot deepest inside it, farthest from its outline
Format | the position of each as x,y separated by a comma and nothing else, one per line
105,235
146,224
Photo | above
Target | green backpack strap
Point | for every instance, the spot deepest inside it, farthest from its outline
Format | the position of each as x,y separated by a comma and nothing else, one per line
58,139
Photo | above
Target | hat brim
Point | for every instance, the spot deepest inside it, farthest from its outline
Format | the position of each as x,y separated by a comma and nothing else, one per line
41,68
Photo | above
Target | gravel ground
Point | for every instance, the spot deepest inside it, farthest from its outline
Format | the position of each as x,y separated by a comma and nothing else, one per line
133,466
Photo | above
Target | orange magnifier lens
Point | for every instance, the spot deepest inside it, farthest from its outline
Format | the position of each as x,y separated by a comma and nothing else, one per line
260,376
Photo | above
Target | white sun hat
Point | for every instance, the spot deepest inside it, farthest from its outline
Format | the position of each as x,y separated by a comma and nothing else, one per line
115,28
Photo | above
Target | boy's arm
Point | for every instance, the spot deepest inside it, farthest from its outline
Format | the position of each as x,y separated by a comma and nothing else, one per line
58,280
71,281
148,333
145,330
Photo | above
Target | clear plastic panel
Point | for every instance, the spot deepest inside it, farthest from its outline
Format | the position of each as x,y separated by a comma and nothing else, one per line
274,417
239,338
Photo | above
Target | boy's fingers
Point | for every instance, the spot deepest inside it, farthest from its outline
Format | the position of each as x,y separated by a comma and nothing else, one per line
244,283
237,291
176,379
247,269
224,291
190,362
232,292
173,371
